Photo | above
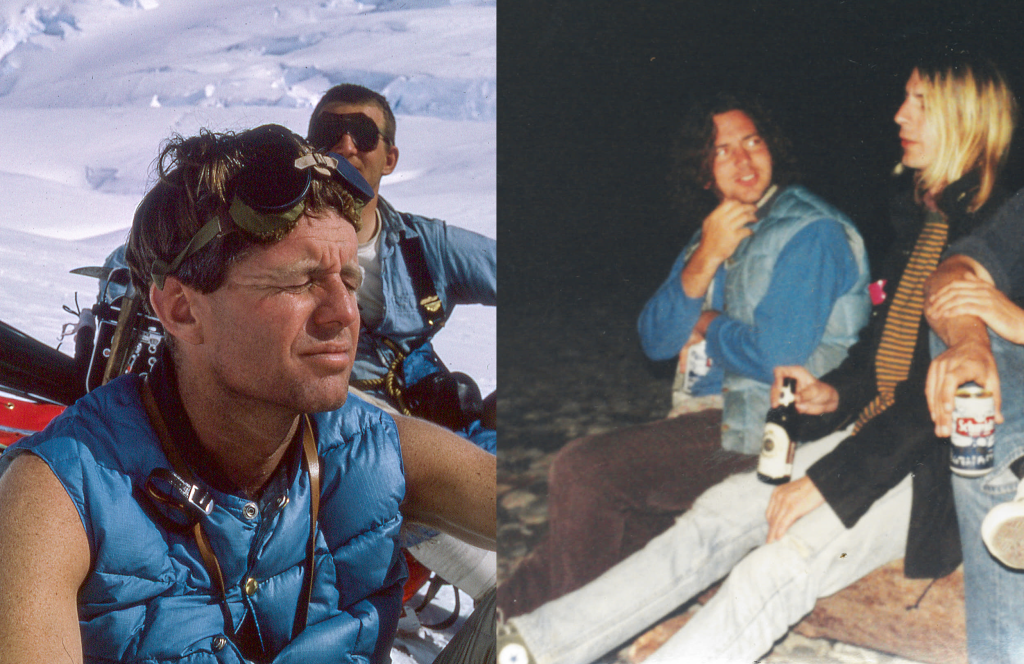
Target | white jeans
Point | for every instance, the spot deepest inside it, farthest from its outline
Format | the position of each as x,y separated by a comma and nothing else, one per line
770,587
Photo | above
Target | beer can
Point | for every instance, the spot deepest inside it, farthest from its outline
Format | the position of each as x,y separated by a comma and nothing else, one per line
973,438
698,364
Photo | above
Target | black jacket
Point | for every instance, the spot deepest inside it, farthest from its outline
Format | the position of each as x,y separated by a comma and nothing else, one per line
901,440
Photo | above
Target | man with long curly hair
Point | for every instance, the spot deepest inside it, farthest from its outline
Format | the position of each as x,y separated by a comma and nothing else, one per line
774,276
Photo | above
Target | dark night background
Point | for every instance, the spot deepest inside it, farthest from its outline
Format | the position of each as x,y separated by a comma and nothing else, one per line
590,93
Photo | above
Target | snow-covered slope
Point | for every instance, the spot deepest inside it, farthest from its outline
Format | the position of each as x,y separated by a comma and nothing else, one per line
90,88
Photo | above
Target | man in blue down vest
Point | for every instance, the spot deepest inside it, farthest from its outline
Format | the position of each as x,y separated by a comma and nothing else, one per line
400,255
235,505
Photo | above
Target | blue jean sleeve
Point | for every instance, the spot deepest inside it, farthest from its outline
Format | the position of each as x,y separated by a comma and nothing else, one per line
669,316
813,270
470,262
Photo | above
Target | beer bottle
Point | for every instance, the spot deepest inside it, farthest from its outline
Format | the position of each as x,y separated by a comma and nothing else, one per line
775,465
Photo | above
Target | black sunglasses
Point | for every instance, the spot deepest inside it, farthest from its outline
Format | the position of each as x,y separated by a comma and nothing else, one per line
270,190
329,128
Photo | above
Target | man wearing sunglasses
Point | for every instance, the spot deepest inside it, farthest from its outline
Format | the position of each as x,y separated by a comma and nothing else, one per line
407,259
236,504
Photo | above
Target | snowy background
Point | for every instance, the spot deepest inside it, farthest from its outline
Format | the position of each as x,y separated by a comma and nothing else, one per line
90,88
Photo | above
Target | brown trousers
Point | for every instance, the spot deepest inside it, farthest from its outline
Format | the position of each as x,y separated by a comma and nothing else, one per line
609,494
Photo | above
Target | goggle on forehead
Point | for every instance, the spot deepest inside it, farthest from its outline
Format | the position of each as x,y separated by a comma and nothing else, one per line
270,193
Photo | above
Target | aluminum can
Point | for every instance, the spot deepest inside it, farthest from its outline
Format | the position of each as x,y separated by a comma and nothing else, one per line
698,364
974,425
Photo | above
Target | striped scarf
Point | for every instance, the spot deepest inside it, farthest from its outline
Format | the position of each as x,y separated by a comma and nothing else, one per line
899,333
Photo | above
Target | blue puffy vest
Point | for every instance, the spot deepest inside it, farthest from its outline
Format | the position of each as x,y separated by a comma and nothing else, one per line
747,400
149,598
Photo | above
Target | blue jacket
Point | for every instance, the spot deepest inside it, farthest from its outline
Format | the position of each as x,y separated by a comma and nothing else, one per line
795,292
463,266
148,597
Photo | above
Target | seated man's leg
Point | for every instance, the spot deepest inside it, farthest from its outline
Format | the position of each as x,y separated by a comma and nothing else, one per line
610,494
994,593
703,545
778,584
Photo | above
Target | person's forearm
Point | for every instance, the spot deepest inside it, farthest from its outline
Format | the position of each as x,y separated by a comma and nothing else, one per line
470,513
699,273
961,328
668,318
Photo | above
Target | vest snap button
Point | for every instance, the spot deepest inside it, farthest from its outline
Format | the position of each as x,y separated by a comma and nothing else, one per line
249,511
219,642
251,586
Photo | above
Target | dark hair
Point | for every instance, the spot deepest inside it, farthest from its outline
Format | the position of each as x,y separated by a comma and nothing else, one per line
693,149
350,93
197,180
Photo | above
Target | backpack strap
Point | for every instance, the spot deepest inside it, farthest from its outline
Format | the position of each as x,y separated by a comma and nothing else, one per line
422,282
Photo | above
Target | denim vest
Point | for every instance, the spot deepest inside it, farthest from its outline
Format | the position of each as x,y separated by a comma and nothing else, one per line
747,279
148,596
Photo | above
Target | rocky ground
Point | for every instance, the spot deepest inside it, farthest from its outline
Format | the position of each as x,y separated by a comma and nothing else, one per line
572,369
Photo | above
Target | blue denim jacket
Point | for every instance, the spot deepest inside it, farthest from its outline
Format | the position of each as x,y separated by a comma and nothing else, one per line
463,265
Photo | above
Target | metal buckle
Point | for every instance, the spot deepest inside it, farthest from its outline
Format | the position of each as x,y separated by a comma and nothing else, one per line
182,494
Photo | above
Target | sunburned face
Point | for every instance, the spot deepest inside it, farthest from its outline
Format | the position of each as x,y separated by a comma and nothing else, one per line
283,328
741,164
918,135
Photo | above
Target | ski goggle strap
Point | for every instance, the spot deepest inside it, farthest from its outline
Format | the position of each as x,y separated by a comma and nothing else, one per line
268,199
161,269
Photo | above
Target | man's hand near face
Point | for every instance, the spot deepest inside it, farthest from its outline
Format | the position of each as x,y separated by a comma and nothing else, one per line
722,231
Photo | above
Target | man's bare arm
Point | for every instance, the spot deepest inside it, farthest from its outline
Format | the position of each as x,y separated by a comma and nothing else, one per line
451,484
961,303
44,558
962,288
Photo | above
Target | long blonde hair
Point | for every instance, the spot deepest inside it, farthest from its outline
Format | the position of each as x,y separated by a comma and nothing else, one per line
974,114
